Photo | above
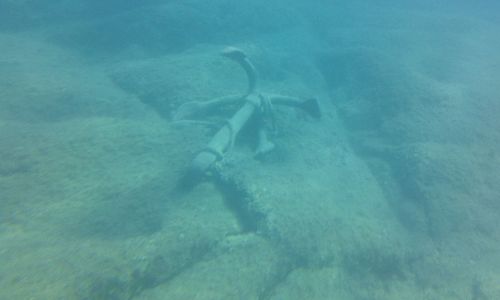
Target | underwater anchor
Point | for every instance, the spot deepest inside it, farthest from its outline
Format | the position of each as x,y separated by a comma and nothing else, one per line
252,103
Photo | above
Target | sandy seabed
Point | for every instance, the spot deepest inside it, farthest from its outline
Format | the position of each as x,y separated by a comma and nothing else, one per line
392,194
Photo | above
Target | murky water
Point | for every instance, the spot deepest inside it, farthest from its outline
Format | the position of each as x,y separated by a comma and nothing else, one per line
249,150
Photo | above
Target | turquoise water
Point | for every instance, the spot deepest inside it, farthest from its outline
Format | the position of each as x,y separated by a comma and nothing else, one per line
337,150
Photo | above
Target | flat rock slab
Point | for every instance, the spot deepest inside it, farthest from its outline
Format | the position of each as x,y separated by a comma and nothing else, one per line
240,267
